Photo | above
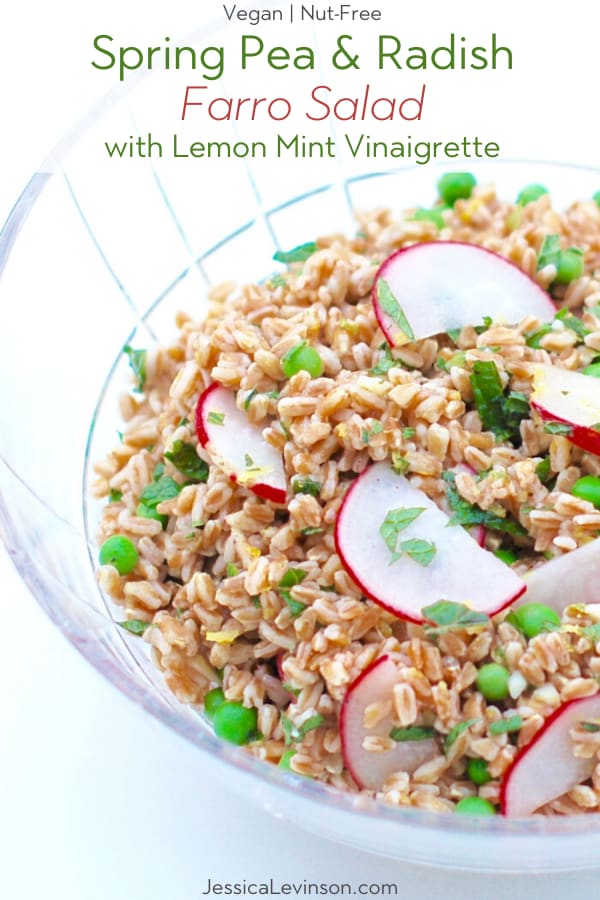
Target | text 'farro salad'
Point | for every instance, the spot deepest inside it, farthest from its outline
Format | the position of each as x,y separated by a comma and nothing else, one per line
355,510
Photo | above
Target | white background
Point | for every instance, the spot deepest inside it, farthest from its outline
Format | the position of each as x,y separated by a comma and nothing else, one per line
94,796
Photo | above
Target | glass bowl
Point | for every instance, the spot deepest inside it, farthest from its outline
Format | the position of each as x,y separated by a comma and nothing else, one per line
95,255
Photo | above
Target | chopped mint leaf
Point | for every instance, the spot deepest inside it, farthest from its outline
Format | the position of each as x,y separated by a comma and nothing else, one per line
298,254
307,532
137,362
386,362
396,521
408,433
558,428
505,726
294,606
399,463
573,323
591,727
499,412
464,513
549,254
231,570
412,733
392,308
543,470
293,732
216,418
290,688
457,731
454,334
149,512
249,397
367,433
158,471
534,338
458,359
255,601
158,491
115,496
306,486
134,626
186,460
421,551
446,615
487,324
293,577
277,281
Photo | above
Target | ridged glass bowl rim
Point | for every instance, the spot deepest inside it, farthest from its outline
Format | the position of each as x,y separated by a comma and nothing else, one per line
359,807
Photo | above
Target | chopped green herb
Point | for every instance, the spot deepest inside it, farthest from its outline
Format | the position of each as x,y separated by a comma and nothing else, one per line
505,726
248,461
330,588
557,428
396,521
570,265
307,532
255,601
290,688
186,460
592,632
183,422
134,626
549,254
573,323
294,606
277,281
454,334
216,418
386,362
457,731
412,733
408,433
273,395
458,359
591,727
159,491
231,570
293,732
392,308
115,496
306,486
419,550
466,514
248,399
298,254
137,362
368,433
499,412
543,470
293,577
534,338
487,324
158,471
149,512
399,463
445,615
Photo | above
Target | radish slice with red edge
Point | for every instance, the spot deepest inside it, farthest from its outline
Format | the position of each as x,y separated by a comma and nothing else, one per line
571,402
237,446
459,571
431,288
547,767
579,569
371,769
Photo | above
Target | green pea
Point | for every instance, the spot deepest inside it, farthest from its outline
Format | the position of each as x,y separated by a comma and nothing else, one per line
507,556
455,186
302,358
120,552
533,618
213,700
478,772
235,723
475,806
492,681
147,512
284,762
430,215
570,265
588,488
593,369
530,193
596,198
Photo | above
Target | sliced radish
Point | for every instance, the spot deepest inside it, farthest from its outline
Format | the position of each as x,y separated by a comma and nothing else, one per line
569,398
460,570
430,288
547,768
579,570
238,446
371,769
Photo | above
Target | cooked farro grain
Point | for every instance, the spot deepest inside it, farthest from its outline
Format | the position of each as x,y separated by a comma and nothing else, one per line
234,590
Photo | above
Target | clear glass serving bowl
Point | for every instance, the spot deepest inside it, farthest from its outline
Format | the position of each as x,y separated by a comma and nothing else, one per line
93,258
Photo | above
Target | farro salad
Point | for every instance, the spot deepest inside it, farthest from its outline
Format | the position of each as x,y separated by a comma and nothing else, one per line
355,509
